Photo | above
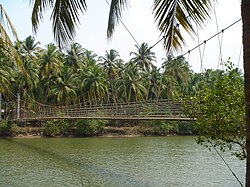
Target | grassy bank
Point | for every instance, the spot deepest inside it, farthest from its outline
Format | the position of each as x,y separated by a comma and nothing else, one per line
88,128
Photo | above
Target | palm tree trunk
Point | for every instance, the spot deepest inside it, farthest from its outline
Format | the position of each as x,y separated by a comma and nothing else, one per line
245,7
18,103
0,105
113,91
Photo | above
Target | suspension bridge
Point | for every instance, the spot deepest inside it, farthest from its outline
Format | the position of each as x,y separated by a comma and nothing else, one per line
147,110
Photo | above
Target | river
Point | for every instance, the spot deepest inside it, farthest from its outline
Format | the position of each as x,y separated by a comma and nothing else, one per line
114,162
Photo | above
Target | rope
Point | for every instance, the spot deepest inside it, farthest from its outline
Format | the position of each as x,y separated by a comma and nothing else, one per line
227,165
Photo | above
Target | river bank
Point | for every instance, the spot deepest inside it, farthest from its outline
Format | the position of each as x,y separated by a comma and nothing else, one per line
107,131
92,128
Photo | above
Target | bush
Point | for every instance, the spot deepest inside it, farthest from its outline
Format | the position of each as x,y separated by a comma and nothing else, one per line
187,128
29,130
51,128
167,127
66,127
8,129
89,127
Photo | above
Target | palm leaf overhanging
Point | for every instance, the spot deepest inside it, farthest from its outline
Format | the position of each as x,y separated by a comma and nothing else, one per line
5,41
172,15
65,17
115,13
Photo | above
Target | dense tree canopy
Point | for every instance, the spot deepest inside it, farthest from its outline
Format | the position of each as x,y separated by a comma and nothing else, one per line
218,106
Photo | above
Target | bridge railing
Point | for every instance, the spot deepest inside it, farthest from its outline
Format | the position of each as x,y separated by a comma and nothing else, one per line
150,109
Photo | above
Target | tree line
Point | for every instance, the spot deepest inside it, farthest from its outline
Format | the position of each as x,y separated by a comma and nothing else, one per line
77,75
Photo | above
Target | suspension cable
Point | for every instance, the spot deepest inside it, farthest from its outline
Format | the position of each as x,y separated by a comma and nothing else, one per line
227,165
212,37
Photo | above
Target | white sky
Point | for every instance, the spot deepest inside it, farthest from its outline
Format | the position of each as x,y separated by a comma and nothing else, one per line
138,18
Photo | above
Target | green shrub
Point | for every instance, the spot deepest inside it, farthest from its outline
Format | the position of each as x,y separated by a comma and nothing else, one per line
51,128
8,129
89,127
167,127
29,130
66,127
186,128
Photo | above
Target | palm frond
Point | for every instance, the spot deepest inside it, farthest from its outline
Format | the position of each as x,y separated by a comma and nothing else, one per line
39,7
172,15
115,13
5,41
6,22
65,17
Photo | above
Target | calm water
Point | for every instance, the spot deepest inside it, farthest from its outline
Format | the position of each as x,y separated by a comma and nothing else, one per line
114,162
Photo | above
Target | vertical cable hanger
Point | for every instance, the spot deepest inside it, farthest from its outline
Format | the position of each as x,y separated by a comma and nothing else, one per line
219,38
188,56
220,61
199,49
240,53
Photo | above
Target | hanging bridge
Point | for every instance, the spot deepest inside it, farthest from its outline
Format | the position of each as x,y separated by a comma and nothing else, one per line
147,110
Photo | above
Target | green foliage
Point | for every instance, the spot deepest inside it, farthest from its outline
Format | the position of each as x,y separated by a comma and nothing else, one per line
183,128
66,127
187,128
89,127
220,111
29,130
51,128
8,129
166,127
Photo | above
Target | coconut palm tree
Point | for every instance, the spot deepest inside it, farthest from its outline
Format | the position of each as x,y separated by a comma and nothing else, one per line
28,77
50,63
144,57
89,58
131,88
5,41
179,70
169,87
74,56
6,71
93,85
64,87
153,84
28,48
109,62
